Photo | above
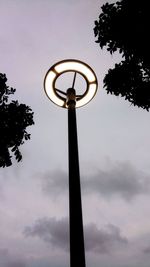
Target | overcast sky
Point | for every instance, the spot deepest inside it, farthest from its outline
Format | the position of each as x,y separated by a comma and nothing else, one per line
114,147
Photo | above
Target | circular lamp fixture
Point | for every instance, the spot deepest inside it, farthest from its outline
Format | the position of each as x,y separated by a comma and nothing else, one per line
70,65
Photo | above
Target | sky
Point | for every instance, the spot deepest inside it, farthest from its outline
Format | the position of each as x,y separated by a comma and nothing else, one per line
113,139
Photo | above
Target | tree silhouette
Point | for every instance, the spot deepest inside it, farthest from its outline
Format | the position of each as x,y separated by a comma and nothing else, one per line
14,118
124,26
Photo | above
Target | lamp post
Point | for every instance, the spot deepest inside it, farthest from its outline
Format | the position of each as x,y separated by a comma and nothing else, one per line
70,100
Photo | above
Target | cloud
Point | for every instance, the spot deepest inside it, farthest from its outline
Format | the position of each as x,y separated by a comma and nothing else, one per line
9,260
55,183
55,232
17,263
146,250
1,191
52,231
3,252
122,180
103,240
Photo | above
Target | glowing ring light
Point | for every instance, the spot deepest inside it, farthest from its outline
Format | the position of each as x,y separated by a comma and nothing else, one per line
66,66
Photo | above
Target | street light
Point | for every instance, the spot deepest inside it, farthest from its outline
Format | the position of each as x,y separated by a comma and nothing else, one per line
70,100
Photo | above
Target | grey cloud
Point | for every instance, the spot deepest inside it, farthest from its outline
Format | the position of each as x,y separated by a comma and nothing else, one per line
52,231
9,260
122,180
55,182
17,263
3,252
144,243
1,191
96,240
146,250
103,240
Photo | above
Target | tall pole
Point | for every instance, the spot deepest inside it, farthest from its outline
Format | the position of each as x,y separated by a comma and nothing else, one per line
71,101
77,251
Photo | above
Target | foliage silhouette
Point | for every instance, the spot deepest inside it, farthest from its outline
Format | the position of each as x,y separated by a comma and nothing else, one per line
124,26
14,118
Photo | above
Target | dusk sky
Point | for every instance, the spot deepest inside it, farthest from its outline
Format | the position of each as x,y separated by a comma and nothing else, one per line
114,147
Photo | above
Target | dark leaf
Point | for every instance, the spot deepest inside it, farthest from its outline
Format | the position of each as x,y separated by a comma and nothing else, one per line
14,119
124,26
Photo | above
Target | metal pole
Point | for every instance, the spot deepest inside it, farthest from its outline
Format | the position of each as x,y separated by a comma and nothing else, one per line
77,251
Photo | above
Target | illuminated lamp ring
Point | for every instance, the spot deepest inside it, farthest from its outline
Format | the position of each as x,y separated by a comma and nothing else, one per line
67,66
